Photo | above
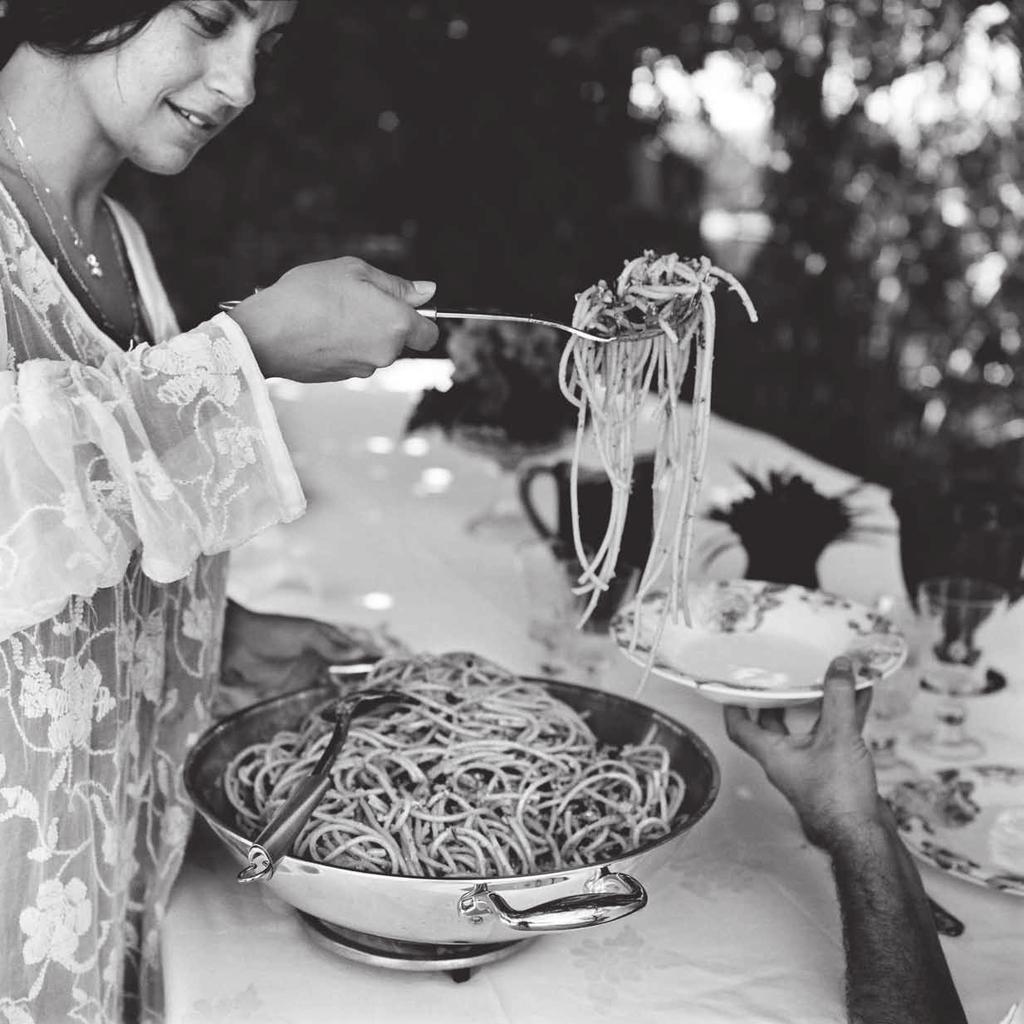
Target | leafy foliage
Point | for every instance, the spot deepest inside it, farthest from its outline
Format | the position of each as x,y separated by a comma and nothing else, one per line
492,148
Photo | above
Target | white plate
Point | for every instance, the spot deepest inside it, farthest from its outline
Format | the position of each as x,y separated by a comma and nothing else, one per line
759,644
966,821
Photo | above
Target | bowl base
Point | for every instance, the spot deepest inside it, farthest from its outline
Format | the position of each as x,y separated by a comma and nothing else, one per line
400,955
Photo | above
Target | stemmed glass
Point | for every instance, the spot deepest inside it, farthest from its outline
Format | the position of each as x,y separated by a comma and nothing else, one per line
892,697
951,611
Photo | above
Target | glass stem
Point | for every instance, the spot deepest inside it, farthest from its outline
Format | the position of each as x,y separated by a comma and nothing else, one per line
950,716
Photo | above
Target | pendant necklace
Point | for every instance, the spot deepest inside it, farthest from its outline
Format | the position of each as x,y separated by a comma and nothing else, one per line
127,275
90,259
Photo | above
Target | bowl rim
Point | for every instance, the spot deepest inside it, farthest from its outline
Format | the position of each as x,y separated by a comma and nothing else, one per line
290,862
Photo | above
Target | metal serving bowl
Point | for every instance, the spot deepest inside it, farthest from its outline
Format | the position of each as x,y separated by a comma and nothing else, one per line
449,912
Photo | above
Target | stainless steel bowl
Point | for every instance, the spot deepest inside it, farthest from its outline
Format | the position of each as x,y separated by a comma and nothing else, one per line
447,911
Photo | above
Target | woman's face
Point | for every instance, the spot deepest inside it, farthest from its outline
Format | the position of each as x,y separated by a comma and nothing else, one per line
161,96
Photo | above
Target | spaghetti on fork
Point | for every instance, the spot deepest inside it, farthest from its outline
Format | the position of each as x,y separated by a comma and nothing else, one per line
666,303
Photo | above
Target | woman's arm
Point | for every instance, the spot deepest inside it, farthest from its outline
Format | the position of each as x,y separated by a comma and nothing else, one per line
173,448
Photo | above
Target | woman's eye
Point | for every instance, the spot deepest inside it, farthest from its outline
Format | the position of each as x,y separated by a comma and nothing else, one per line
211,26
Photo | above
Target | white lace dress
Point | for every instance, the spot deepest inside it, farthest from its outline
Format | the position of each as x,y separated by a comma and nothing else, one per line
123,477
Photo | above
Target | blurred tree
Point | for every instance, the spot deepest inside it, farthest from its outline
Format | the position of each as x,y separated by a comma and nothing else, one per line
498,149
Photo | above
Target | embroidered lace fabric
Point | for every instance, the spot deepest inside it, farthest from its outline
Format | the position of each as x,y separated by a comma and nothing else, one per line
123,479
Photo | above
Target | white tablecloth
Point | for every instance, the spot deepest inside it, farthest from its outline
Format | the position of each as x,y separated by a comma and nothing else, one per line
742,925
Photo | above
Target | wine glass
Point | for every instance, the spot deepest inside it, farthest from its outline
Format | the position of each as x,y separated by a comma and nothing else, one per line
892,697
951,612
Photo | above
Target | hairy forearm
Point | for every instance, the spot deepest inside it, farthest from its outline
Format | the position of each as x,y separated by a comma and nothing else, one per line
896,970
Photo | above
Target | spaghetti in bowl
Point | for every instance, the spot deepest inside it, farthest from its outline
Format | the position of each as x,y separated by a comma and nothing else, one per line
477,907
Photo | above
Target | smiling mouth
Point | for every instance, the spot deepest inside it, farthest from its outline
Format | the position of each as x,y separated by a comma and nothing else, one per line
192,118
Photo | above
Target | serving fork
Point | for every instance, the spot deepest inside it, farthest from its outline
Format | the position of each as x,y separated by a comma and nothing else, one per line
430,313
462,314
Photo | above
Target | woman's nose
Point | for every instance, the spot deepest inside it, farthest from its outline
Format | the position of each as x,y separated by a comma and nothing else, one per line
232,74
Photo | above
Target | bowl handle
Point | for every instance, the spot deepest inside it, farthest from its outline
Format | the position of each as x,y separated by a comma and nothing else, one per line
565,913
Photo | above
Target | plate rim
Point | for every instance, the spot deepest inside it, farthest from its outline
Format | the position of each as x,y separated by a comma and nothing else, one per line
791,695
1016,889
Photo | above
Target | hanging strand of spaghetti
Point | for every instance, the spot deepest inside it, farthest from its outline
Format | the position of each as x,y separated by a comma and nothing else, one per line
686,476
699,439
610,383
615,454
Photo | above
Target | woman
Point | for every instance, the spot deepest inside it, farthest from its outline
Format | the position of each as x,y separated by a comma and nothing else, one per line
131,457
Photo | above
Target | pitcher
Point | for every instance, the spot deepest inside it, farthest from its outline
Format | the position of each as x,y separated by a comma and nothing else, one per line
595,502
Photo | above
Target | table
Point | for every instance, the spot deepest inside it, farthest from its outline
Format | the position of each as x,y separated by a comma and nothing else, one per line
741,925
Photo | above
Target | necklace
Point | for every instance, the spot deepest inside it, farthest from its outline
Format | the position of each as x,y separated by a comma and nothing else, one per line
90,258
127,275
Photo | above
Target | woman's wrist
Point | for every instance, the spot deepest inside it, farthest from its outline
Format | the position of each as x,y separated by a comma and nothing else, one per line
253,315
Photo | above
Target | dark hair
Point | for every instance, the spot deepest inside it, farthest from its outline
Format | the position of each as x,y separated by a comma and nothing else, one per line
72,28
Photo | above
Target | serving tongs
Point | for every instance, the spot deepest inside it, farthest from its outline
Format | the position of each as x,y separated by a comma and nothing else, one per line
276,838
636,334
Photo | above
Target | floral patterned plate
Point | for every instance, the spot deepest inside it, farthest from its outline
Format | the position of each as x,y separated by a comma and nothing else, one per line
759,644
966,821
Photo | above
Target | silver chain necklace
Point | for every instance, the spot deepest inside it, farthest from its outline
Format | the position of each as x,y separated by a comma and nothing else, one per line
92,261
90,258
127,275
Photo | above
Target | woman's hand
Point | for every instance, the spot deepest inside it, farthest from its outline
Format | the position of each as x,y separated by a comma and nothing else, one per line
268,654
827,774
336,319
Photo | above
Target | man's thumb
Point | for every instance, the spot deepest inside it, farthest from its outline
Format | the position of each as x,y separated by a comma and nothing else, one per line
839,709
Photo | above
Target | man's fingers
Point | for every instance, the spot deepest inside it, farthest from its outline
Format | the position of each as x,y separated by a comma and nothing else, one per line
839,706
746,733
337,647
327,642
304,671
773,720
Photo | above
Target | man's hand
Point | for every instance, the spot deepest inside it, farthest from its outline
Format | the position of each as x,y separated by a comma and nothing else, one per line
268,654
827,774
895,967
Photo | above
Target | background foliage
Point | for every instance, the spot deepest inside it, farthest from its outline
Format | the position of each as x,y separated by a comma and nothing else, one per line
517,153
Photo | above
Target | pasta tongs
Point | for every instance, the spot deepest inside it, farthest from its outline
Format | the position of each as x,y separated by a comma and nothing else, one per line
276,838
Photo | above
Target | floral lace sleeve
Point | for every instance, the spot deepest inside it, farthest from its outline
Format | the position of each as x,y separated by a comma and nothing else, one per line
172,447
